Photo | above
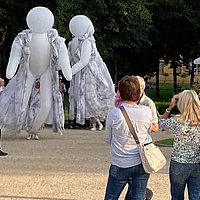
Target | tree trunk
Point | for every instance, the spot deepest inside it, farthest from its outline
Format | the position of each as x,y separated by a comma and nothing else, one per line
174,65
192,74
157,80
115,69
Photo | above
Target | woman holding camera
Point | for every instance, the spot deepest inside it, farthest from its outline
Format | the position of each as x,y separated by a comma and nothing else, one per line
185,159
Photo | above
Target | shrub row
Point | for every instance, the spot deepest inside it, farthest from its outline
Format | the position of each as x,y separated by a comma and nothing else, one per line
161,107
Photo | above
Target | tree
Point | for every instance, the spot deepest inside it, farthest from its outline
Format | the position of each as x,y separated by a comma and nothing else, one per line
174,30
131,35
128,24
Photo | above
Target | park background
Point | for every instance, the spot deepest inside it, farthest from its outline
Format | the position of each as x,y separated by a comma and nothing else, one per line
156,39
134,37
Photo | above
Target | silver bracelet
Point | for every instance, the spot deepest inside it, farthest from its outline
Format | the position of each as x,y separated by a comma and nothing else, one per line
167,111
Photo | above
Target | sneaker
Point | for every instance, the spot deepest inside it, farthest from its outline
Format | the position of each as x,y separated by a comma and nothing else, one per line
100,127
93,129
29,137
36,137
3,153
70,127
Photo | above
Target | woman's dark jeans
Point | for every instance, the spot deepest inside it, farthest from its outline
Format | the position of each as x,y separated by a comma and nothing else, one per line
182,174
119,177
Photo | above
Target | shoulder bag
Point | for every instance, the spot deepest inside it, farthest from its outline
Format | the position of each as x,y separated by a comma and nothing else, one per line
152,158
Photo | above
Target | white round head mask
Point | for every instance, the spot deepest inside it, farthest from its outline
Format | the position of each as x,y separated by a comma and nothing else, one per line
79,25
40,19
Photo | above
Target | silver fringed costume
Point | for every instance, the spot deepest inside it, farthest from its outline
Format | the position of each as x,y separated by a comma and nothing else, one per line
91,93
17,109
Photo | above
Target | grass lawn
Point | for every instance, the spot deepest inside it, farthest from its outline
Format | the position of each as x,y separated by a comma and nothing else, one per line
165,143
166,92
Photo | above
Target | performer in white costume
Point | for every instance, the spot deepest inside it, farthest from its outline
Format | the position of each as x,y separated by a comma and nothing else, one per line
40,52
91,89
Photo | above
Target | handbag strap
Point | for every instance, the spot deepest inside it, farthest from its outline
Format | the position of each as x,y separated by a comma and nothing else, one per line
130,125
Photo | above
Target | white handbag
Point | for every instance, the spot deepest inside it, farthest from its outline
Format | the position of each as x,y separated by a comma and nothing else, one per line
152,158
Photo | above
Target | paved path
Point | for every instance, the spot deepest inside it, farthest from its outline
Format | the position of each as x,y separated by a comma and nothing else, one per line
72,166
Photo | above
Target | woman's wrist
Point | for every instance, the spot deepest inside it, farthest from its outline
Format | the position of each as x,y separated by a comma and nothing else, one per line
168,110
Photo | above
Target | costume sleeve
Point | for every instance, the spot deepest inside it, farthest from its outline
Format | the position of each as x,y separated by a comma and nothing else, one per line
85,56
63,59
15,56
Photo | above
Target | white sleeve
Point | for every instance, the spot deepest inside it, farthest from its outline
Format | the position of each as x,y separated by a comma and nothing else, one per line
108,129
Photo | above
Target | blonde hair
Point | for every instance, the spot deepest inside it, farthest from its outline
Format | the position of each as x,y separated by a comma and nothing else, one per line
189,107
141,81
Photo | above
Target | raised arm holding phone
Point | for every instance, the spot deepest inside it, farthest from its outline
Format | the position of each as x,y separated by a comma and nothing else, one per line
185,159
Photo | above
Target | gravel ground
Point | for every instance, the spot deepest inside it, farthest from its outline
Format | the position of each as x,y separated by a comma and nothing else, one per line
64,167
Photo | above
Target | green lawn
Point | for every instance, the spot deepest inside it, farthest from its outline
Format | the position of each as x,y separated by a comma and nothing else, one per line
166,92
166,142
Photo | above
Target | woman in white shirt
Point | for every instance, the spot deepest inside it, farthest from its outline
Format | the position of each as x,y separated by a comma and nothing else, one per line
125,158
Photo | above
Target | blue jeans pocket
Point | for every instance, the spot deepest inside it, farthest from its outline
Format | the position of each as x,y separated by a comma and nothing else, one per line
118,173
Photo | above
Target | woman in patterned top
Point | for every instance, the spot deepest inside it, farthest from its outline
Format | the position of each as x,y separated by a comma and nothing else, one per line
185,159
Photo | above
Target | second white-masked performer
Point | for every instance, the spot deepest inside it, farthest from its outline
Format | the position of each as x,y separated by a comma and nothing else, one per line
91,92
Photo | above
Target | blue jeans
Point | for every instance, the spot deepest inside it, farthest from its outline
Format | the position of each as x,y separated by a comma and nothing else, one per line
182,174
119,177
148,196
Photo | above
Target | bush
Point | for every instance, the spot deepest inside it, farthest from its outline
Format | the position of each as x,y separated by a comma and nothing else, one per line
161,107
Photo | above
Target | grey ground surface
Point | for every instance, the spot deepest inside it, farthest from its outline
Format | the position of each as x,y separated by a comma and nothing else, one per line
64,167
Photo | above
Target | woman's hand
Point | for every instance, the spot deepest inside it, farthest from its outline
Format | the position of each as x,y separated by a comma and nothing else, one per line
172,102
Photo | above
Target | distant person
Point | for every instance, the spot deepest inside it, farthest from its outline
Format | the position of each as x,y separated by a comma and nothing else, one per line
185,159
125,158
94,121
146,101
1,90
1,85
118,100
63,90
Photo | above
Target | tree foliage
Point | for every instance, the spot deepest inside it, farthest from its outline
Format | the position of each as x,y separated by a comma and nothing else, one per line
121,27
131,35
